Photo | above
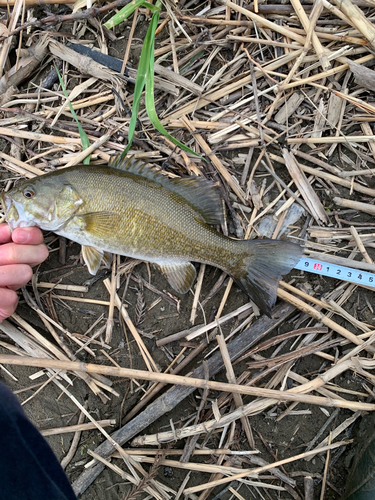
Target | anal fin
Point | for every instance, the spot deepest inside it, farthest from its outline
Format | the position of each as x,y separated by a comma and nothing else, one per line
180,275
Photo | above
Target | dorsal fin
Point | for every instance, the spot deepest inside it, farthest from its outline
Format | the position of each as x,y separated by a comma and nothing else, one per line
201,194
137,167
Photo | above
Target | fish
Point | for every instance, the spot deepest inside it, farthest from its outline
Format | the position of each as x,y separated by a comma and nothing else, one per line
130,208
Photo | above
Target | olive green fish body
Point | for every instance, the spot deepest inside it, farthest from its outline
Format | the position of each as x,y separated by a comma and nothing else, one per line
131,209
136,217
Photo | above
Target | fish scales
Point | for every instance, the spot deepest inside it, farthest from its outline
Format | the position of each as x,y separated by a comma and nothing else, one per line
130,209
151,223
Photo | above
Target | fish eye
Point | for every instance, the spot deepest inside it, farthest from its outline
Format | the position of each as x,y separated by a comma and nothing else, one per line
29,192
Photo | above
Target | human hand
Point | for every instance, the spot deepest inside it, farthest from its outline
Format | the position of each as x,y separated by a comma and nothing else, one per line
19,251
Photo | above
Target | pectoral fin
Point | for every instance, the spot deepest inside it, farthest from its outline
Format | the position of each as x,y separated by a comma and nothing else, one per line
98,224
180,275
92,257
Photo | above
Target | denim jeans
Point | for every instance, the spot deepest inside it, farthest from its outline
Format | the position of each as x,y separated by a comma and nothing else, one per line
29,469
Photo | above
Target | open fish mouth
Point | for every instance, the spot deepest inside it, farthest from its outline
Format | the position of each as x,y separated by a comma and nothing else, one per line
9,212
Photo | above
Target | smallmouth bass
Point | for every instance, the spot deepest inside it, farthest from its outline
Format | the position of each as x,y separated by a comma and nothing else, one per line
130,208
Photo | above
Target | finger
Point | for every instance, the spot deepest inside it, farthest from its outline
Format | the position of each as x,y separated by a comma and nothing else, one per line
5,234
10,253
15,276
8,303
27,236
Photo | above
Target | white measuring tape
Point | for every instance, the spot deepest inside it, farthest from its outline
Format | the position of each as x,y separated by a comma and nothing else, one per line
334,271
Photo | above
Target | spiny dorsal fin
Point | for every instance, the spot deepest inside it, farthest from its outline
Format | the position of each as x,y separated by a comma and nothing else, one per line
137,167
201,194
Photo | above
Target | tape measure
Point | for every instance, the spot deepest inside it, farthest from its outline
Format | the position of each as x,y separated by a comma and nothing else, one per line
334,271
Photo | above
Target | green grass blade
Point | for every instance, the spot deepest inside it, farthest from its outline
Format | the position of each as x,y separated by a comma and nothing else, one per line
151,112
84,139
145,77
140,81
150,99
127,11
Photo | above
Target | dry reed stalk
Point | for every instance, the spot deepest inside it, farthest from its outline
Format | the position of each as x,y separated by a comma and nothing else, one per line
302,306
211,469
134,479
200,331
312,159
88,151
329,140
367,130
20,167
147,358
40,339
324,175
184,381
336,432
95,422
232,380
215,95
255,472
72,95
224,299
131,34
305,188
360,245
262,41
354,40
261,21
50,378
337,12
195,452
363,105
10,3
326,468
197,293
216,162
112,294
326,74
261,405
359,325
354,173
36,136
74,444
6,43
357,18
308,25
200,124
58,286
303,294
65,352
82,299
115,468
356,205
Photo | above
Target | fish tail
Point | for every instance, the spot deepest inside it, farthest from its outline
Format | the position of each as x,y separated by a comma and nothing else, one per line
260,266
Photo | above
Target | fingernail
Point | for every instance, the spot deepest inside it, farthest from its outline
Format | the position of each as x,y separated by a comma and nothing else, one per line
22,236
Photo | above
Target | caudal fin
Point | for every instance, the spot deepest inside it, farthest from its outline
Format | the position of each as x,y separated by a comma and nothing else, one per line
262,264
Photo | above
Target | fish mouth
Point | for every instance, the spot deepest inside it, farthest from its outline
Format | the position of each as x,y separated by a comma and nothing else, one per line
11,215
